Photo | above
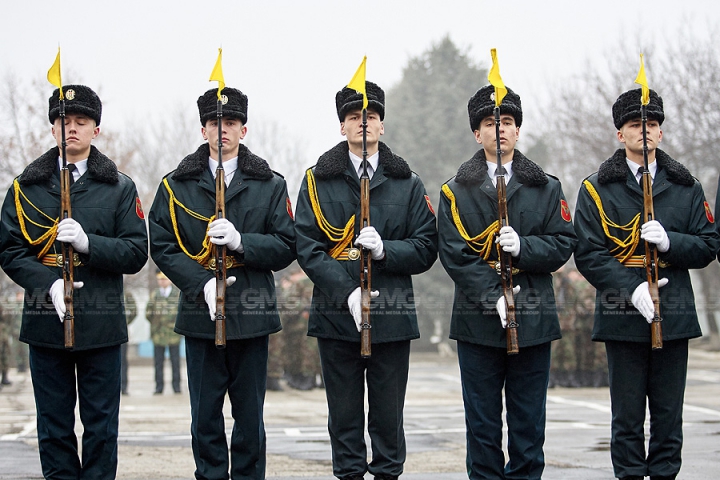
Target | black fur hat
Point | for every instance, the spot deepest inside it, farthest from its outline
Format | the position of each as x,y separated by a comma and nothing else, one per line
78,99
348,99
235,104
482,104
627,107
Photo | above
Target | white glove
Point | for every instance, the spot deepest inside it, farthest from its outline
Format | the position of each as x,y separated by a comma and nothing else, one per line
509,240
369,238
355,304
653,232
57,295
70,231
223,232
210,289
501,306
642,301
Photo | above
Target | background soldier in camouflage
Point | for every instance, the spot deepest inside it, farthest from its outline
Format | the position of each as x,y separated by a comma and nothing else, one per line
302,359
5,330
161,311
130,314
577,361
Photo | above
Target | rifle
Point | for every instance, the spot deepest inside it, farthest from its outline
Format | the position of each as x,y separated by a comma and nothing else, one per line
66,249
220,250
505,258
651,253
365,256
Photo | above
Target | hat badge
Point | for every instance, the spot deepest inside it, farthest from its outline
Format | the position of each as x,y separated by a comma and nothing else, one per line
492,96
70,94
224,99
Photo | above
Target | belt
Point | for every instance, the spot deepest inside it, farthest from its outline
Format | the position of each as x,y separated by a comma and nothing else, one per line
56,260
349,254
230,262
495,265
638,261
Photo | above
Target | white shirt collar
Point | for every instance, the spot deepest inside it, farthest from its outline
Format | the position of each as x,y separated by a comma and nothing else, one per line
80,168
492,167
230,166
373,160
634,168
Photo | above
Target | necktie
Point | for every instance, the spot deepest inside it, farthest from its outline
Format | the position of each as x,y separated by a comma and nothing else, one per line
71,167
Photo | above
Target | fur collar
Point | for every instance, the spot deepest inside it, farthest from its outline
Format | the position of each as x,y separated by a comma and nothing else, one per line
100,167
615,169
196,163
527,172
334,162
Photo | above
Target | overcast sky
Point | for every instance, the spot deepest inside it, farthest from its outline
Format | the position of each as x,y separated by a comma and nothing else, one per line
290,57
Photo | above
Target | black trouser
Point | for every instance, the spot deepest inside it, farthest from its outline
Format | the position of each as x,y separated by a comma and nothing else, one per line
160,364
240,371
55,372
638,375
345,373
485,372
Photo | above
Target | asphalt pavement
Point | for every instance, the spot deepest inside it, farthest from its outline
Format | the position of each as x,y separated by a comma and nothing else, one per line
154,440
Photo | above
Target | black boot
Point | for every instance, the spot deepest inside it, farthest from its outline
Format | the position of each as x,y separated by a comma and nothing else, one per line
273,384
5,380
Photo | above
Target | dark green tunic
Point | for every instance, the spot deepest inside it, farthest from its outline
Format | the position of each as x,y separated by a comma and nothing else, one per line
681,208
106,204
400,212
257,204
538,213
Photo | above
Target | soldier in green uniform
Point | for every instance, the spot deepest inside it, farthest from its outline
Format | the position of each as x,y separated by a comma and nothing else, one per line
540,239
259,236
402,240
610,255
107,231
161,311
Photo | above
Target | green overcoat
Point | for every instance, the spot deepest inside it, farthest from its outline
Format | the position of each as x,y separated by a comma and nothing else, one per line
538,212
681,208
106,204
401,213
257,204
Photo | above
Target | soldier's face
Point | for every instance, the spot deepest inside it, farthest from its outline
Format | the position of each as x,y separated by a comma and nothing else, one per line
509,134
233,131
80,131
631,135
352,127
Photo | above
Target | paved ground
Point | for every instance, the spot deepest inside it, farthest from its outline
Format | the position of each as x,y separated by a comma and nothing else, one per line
155,441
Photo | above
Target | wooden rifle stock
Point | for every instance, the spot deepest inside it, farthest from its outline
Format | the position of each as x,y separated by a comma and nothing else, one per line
651,252
365,255
66,250
505,259
220,250
67,261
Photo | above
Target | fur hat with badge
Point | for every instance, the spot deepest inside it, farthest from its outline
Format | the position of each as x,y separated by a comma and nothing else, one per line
627,107
482,104
235,106
78,99
347,100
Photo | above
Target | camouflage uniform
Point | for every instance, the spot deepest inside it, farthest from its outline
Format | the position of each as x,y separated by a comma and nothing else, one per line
577,361
276,347
5,330
302,360
161,313
130,314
